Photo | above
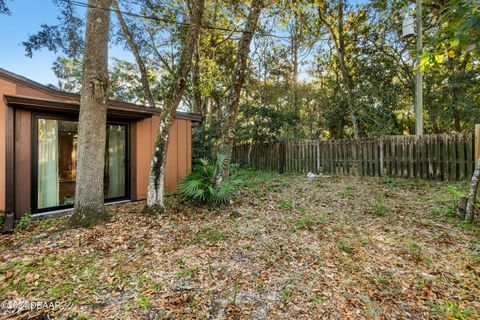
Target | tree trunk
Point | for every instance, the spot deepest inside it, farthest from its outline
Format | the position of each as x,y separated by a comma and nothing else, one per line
295,48
156,180
238,79
353,114
89,197
136,53
345,72
341,52
197,94
249,154
472,194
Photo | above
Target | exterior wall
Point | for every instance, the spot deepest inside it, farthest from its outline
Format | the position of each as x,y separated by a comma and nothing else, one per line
143,152
32,92
5,88
178,154
23,143
179,151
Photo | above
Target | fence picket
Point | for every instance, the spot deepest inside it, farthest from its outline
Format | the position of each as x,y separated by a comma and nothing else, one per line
439,157
469,155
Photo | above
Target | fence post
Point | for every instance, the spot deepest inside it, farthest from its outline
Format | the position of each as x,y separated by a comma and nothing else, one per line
318,156
281,157
477,142
381,158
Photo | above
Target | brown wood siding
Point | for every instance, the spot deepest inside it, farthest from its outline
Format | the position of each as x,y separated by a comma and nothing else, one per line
189,147
5,88
23,164
182,167
143,153
133,160
10,154
32,92
178,153
172,159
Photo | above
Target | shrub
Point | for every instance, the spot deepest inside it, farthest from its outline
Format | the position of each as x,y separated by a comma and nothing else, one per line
200,184
456,194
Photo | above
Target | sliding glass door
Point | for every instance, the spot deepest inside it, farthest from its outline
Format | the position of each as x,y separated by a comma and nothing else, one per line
115,162
56,156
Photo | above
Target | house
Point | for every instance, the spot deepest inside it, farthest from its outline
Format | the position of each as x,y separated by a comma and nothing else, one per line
38,137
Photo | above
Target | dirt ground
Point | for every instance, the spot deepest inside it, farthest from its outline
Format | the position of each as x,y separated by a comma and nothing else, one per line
288,248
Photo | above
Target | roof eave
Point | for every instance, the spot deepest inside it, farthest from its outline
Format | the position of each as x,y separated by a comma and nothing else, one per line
72,104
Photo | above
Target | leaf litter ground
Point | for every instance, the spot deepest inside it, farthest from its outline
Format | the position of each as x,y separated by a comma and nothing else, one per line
288,248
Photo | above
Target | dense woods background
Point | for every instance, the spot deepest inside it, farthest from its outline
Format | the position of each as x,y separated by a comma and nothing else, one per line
307,61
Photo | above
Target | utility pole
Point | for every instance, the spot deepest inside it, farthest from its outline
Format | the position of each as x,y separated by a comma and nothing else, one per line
419,75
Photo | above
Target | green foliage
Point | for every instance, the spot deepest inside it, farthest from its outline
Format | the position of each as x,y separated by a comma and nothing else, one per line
383,278
286,204
308,221
393,182
235,293
317,299
275,105
200,184
210,234
450,310
416,251
190,272
455,193
379,208
344,245
304,223
286,294
262,123
124,83
442,212
348,191
459,32
66,36
203,139
144,301
24,221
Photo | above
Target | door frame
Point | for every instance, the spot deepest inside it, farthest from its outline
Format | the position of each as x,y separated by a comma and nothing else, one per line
34,160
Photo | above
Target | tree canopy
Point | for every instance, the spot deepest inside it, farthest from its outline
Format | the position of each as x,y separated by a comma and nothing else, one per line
316,69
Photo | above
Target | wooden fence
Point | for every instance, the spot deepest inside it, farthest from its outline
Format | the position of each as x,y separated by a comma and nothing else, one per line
440,157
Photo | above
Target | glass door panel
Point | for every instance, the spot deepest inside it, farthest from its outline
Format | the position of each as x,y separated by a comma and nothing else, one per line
115,162
57,158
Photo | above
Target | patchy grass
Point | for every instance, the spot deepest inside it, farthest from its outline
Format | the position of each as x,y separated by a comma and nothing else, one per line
288,248
24,221
379,208
344,245
209,234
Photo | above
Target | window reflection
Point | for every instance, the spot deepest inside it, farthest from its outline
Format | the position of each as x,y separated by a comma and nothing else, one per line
57,157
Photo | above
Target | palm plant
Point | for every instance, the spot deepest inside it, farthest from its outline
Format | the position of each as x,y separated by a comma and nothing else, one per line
200,184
